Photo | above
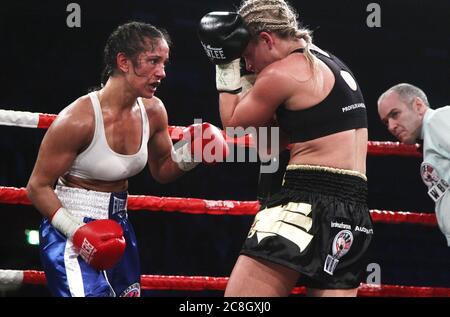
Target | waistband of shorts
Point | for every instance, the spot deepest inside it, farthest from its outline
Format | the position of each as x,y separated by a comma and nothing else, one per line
340,183
92,204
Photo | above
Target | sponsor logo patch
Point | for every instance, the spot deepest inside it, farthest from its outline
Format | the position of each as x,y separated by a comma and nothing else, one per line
87,250
341,245
437,187
133,290
119,205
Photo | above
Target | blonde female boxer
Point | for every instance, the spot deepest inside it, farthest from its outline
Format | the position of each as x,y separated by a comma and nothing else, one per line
318,225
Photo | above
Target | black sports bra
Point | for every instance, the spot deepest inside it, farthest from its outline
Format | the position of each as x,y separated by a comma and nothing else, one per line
343,109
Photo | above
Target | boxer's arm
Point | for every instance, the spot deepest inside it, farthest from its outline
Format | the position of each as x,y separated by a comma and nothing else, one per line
272,141
258,106
160,148
69,133
167,163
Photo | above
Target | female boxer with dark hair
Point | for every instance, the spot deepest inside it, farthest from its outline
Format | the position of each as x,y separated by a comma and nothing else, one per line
88,246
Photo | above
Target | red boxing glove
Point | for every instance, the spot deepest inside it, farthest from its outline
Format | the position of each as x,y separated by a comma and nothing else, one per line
100,243
206,144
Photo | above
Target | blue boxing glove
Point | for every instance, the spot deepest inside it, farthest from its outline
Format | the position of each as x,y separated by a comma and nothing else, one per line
224,37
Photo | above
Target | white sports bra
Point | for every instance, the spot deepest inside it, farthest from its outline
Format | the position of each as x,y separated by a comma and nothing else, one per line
100,162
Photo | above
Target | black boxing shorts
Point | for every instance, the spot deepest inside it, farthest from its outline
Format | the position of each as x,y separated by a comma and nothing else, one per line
318,224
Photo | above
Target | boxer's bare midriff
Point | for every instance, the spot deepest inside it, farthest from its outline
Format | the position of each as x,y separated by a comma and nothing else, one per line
97,185
344,150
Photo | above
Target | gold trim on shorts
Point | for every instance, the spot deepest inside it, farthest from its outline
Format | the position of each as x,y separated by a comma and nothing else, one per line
326,169
290,221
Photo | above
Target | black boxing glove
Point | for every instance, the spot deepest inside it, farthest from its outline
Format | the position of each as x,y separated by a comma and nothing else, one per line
224,37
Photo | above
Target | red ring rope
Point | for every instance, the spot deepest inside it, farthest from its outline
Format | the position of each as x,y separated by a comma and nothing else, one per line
202,283
11,195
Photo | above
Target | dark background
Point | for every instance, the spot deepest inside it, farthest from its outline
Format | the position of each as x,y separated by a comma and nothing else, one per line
45,66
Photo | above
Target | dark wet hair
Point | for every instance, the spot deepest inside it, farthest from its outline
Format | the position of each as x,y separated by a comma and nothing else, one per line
130,38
